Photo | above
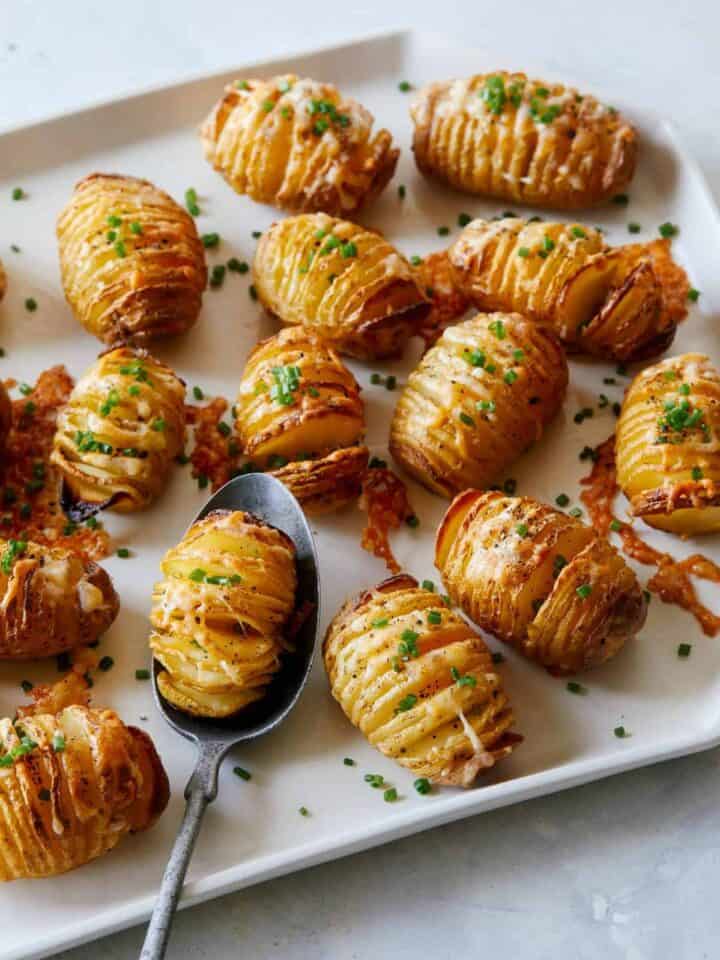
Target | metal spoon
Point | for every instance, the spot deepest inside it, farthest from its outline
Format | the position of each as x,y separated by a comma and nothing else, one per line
269,500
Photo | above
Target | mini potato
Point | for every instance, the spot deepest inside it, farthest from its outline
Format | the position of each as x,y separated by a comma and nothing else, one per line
123,425
667,447
72,785
418,682
218,614
538,579
298,144
299,412
51,600
343,282
132,264
601,301
502,135
477,400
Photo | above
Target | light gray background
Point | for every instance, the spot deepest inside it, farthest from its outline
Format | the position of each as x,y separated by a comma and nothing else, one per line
626,868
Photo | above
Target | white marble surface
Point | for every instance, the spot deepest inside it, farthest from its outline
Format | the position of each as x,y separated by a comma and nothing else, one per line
625,868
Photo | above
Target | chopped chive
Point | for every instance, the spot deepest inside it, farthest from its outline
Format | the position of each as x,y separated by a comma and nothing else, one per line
573,687
584,591
18,193
562,499
521,529
428,585
26,686
683,650
407,703
390,382
106,663
422,786
434,617
390,795
464,219
237,266
620,732
579,233
142,674
242,773
575,512
497,657
374,779
615,525
123,552
404,86
693,294
510,486
443,231
697,473
634,227
348,761
402,191
31,304
303,811
667,229
523,252
210,240
621,199
466,419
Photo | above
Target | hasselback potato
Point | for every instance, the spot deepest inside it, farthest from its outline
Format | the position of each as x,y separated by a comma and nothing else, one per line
343,282
132,264
71,786
667,446
123,425
418,682
477,400
219,612
298,144
538,579
300,414
601,301
50,600
503,135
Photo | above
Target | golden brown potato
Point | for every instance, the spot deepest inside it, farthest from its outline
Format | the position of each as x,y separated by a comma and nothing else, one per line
218,614
50,600
666,448
71,786
604,302
343,282
477,400
538,579
298,144
132,264
299,414
418,682
505,136
122,427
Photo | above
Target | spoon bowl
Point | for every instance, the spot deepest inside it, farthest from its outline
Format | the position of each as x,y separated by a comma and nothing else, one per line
268,500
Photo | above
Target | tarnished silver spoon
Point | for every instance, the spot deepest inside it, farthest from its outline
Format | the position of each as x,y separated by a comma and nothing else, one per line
269,500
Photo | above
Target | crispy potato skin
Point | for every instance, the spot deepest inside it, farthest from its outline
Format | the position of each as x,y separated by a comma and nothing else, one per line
560,150
316,428
52,601
458,424
657,454
297,144
133,404
62,808
344,283
151,285
451,731
498,557
220,642
600,301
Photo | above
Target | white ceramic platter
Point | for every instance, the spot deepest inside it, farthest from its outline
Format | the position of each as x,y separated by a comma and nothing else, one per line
254,831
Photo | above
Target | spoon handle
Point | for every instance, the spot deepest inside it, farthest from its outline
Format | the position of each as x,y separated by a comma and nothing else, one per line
200,791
